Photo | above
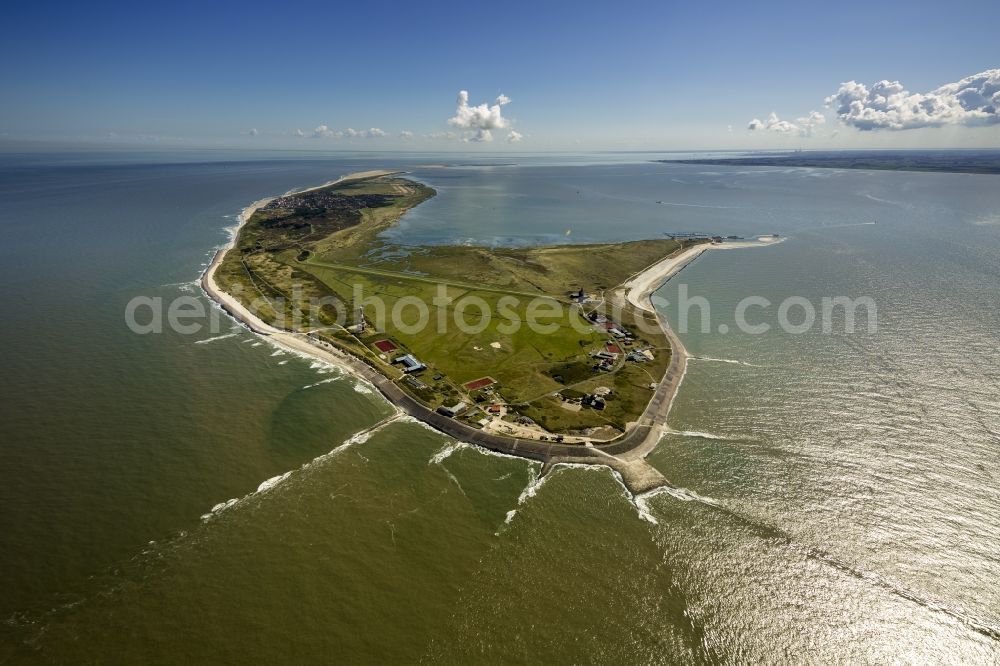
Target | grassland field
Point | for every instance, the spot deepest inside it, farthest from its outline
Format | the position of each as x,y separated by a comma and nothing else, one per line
302,251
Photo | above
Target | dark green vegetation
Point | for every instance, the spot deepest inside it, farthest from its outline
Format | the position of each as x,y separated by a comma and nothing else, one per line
314,263
953,161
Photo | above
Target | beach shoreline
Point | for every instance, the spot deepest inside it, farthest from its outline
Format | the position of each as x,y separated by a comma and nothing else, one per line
624,454
638,291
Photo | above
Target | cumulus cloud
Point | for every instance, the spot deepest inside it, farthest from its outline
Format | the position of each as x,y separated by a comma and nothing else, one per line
449,136
406,135
324,132
372,133
480,136
773,124
299,132
975,100
802,126
514,136
814,118
478,120
252,132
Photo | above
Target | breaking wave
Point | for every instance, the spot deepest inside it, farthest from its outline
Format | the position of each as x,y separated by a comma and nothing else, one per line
322,381
265,486
694,433
535,482
446,452
722,360
218,337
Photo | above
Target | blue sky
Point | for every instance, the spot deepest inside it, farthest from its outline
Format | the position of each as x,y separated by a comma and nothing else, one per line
639,75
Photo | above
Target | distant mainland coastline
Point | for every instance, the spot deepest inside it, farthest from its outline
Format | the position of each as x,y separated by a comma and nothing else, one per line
942,161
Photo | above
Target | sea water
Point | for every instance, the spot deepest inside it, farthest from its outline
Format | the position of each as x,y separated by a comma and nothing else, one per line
181,497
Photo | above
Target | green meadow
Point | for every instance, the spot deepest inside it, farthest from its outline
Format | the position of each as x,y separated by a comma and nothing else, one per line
314,262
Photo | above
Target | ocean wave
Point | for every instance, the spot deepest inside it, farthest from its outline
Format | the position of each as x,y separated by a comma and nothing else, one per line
322,381
694,433
642,506
406,418
446,452
722,360
272,482
187,287
321,367
974,622
535,482
680,382
454,479
690,205
987,220
265,486
890,202
218,337
641,501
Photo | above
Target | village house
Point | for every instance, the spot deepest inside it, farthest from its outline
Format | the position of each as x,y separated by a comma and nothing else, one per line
410,363
451,411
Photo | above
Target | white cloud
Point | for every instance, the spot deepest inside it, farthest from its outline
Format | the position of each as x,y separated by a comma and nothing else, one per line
299,132
975,100
324,132
480,136
479,120
814,118
802,126
514,137
773,124
372,133
252,132
406,135
450,136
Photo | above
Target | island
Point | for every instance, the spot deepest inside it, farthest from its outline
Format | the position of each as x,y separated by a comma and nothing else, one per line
551,353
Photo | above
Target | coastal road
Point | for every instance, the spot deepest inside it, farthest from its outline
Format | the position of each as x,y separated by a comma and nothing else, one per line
624,454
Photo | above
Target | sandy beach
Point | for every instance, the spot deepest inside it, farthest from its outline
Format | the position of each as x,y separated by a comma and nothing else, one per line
639,289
